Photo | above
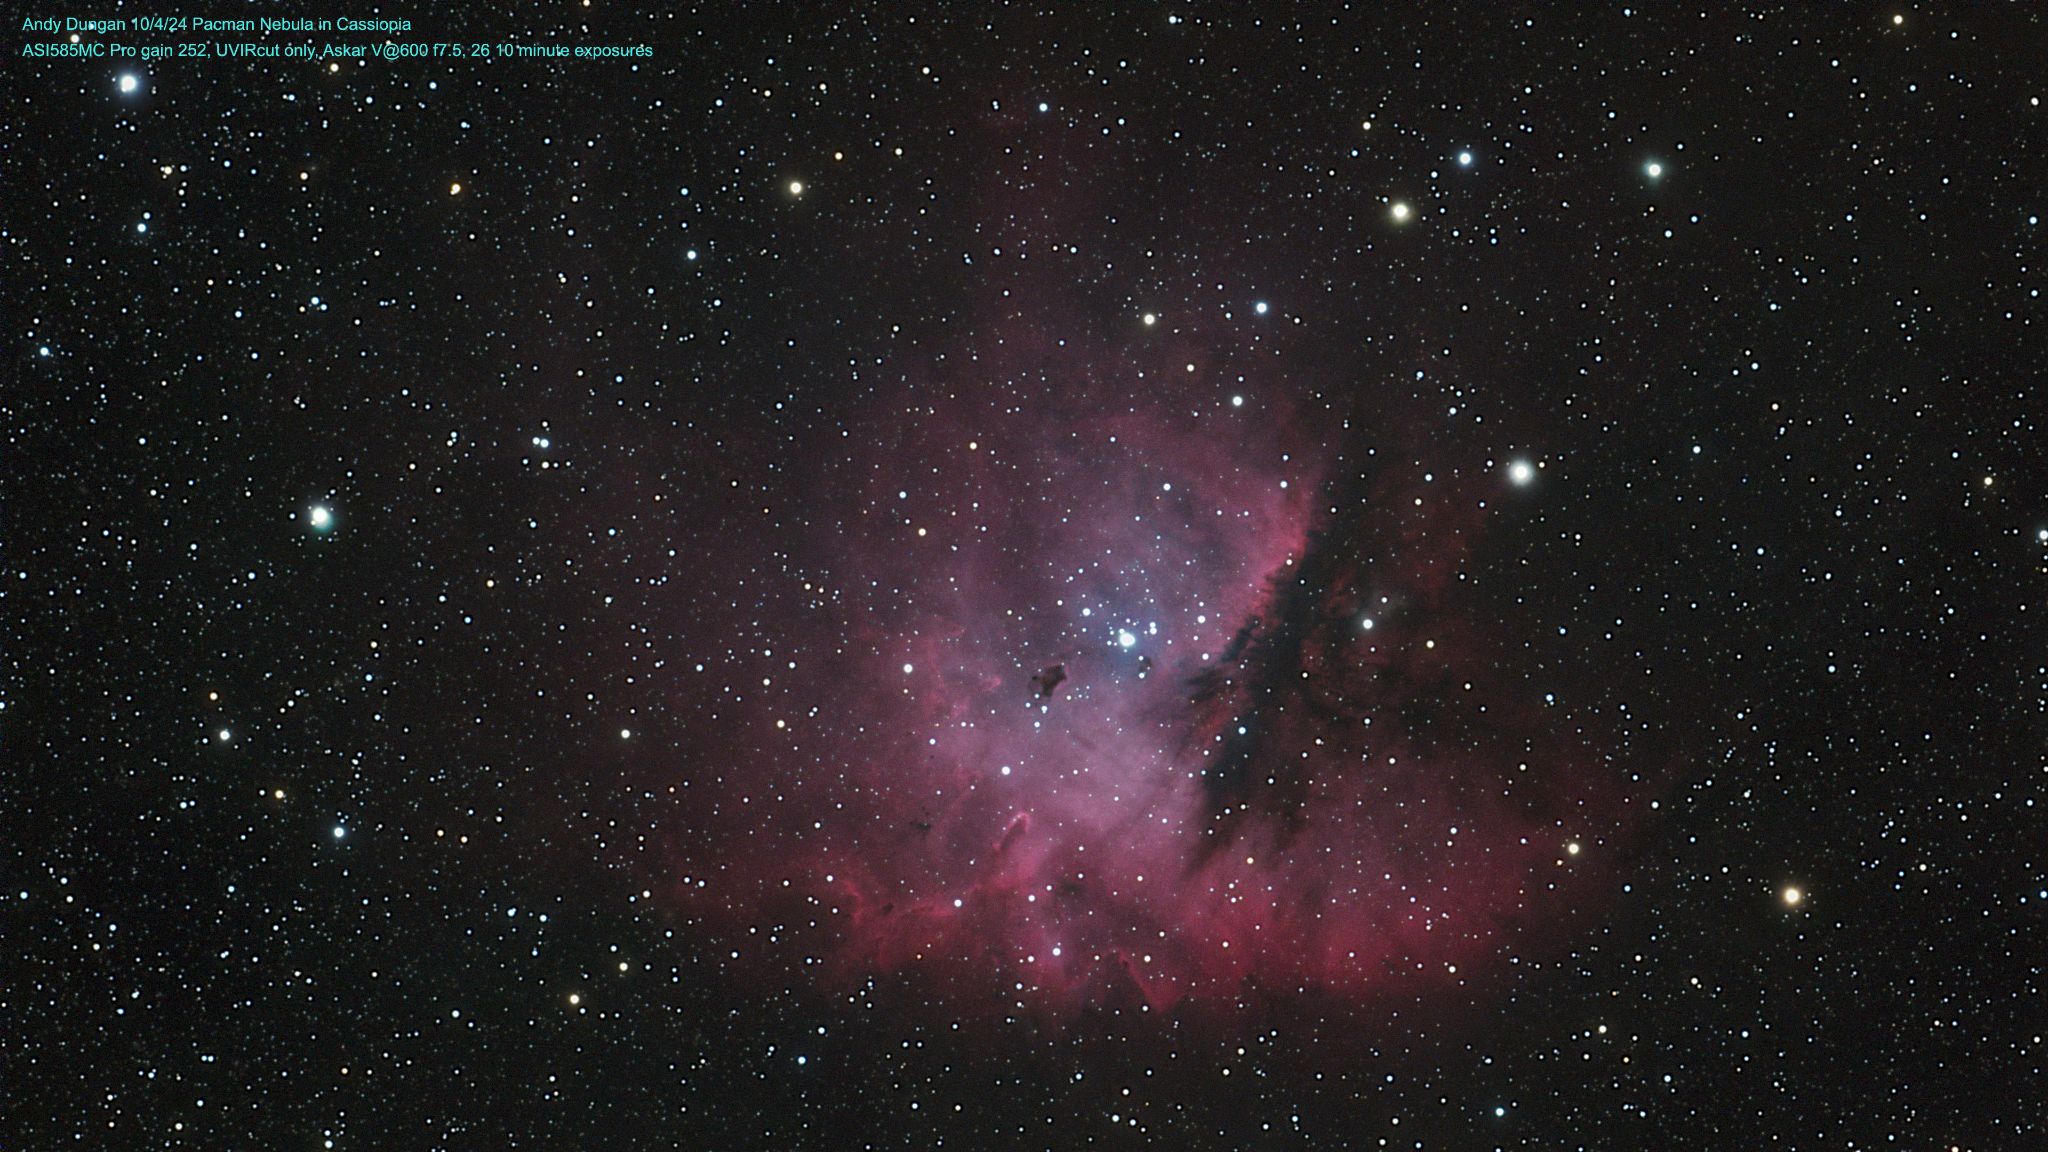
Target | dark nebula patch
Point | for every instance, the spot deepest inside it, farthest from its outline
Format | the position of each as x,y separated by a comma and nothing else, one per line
1048,681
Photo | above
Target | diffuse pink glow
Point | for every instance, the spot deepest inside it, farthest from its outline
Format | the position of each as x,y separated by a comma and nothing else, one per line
1235,782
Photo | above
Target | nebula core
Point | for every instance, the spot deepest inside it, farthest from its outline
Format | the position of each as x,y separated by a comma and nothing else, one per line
1166,688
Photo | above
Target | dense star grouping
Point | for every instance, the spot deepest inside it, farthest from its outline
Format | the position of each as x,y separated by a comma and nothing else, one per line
1390,577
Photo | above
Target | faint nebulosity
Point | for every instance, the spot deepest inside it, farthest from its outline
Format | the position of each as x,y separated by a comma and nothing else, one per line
1390,577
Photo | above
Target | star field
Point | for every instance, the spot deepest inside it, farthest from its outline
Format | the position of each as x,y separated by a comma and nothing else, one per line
1388,577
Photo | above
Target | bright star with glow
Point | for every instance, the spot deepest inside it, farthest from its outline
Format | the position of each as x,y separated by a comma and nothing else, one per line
1792,897
1521,473
1125,638
1260,308
1464,159
1400,211
130,82
1653,169
321,517
796,187
339,831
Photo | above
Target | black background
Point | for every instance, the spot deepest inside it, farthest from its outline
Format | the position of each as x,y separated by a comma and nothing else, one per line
1833,652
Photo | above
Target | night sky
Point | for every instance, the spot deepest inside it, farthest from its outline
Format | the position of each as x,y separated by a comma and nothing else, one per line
1183,577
